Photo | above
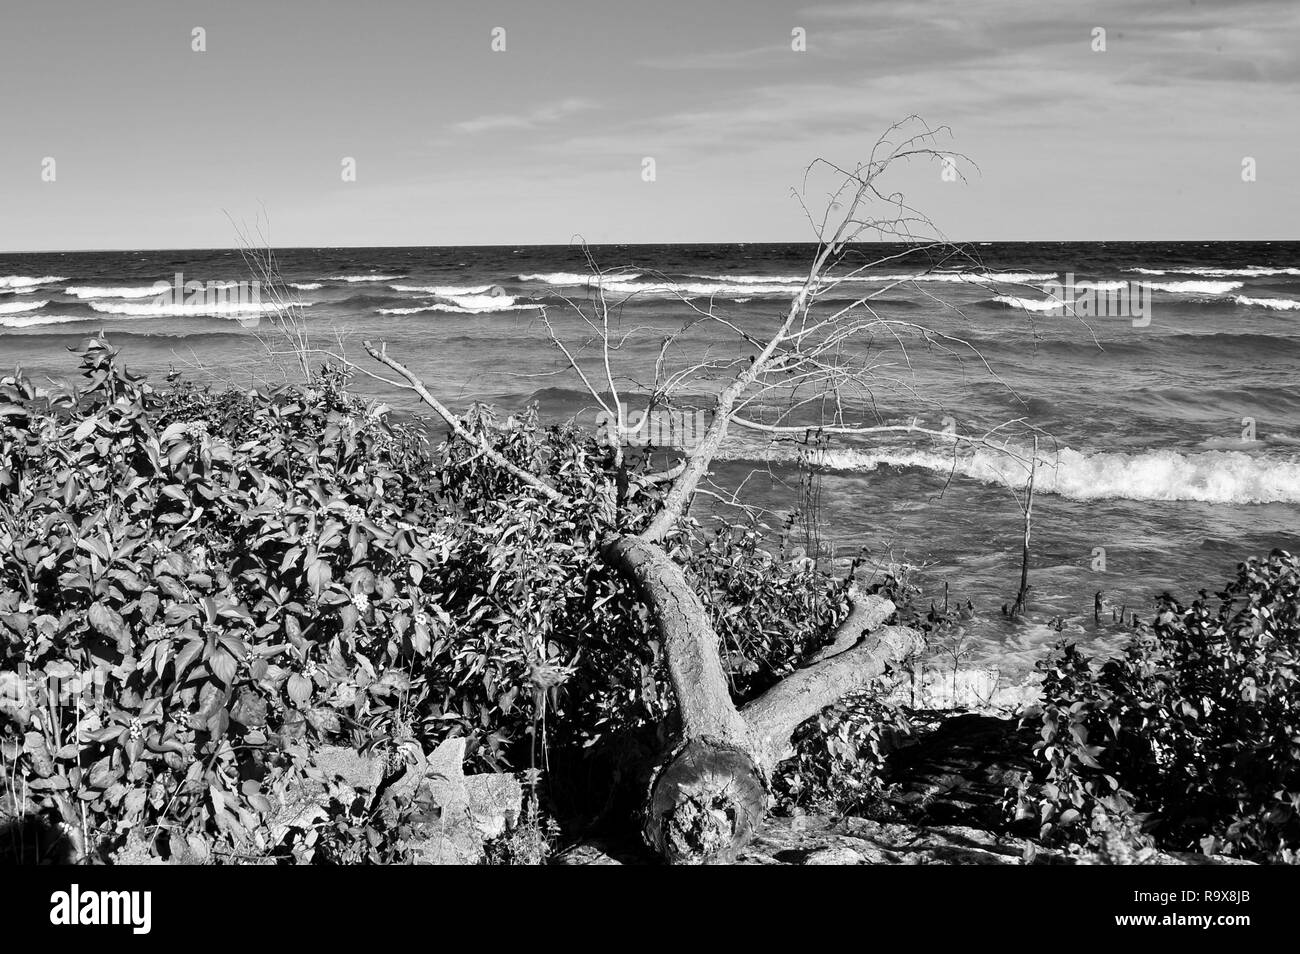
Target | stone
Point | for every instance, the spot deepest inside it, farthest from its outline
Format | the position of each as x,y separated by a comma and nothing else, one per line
494,802
444,775
834,855
448,844
467,809
343,762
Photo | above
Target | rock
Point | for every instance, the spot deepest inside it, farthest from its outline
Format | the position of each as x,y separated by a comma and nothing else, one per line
470,809
836,855
343,762
494,802
444,773
453,843
462,811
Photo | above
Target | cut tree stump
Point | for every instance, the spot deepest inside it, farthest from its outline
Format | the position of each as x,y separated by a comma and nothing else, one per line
709,796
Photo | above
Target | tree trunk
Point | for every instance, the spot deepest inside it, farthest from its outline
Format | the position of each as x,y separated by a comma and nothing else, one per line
708,797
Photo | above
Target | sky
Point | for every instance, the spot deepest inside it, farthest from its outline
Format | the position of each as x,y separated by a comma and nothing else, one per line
157,145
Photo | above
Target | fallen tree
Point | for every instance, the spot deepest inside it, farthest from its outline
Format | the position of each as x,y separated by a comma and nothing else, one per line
815,373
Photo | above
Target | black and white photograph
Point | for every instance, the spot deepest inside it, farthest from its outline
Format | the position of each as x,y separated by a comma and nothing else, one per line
850,433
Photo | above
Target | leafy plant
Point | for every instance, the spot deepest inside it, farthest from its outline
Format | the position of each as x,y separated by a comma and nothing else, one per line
198,589
1195,730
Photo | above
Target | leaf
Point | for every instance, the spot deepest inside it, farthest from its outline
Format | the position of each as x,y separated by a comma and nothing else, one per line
172,432
179,452
318,576
223,666
299,688
85,429
250,711
108,622
325,720
34,745
148,605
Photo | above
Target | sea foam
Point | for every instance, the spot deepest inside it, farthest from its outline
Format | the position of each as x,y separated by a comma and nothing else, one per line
444,290
1250,271
127,291
187,309
1276,304
1208,476
465,305
1032,304
1203,288
26,281
579,279
21,306
33,321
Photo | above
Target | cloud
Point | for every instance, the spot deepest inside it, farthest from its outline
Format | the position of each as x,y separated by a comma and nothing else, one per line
540,116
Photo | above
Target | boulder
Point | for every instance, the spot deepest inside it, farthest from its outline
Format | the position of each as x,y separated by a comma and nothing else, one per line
459,812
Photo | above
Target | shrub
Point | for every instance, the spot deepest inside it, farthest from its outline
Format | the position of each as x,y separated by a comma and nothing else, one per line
245,575
1196,729
839,755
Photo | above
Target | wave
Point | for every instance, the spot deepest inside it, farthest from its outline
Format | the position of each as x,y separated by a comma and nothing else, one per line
696,289
1276,304
189,310
1031,304
352,279
1103,285
506,304
465,305
977,277
445,291
21,306
1208,476
755,279
306,286
129,291
26,281
764,285
578,278
1250,271
1204,288
621,284
966,278
33,321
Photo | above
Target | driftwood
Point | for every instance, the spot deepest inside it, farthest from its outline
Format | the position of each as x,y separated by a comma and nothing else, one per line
708,797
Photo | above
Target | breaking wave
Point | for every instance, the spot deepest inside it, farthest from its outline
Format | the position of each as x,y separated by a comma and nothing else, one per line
443,290
128,291
26,281
189,310
1276,304
1250,271
1208,476
1203,288
465,305
21,306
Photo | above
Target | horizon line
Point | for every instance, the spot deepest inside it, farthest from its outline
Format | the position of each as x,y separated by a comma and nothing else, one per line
551,245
